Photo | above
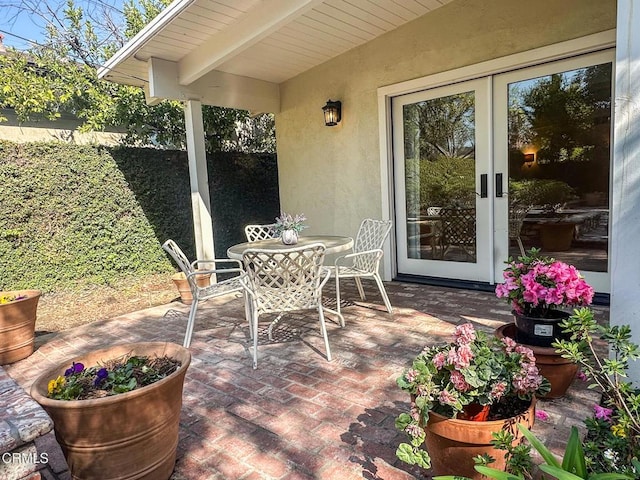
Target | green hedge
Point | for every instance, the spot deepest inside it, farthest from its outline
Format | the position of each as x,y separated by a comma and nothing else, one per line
72,214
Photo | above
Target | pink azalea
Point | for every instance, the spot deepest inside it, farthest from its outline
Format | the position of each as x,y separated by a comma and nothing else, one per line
542,415
602,413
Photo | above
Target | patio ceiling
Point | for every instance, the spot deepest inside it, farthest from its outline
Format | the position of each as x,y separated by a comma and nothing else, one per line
235,53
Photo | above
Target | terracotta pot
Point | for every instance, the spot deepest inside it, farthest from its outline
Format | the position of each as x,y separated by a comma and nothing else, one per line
452,443
18,325
182,284
131,435
559,371
539,331
557,237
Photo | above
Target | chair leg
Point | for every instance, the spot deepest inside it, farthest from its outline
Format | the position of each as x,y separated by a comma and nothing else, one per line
521,246
247,313
360,289
254,317
190,323
383,292
323,329
338,299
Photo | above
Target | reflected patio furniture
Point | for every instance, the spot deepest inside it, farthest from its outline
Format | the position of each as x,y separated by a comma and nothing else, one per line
285,280
260,232
459,230
364,262
216,289
517,214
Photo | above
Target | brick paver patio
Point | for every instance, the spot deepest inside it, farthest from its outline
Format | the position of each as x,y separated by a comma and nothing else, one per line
298,416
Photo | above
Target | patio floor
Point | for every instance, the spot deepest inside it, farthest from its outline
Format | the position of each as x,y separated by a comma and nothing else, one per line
298,416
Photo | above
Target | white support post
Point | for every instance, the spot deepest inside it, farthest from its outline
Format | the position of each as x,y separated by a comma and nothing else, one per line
199,179
625,218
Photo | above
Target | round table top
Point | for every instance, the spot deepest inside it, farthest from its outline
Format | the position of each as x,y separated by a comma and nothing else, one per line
333,244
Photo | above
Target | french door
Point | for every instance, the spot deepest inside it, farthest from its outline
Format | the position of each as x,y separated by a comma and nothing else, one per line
488,168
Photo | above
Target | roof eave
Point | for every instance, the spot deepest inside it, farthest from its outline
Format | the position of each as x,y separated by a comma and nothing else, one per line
143,36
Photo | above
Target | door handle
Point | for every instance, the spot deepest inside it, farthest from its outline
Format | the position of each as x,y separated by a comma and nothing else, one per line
483,185
499,192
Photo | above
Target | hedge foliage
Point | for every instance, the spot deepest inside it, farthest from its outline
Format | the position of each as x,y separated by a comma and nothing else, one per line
74,215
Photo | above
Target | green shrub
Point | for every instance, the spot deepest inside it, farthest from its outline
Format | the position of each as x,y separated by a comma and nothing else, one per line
75,214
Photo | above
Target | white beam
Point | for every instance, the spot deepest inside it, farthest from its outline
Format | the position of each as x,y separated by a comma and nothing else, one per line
625,214
216,88
200,202
260,22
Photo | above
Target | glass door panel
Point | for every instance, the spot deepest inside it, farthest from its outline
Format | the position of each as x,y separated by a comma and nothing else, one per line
556,120
441,164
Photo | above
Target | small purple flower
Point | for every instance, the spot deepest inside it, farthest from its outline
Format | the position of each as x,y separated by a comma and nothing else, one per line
75,368
581,376
100,376
542,415
602,413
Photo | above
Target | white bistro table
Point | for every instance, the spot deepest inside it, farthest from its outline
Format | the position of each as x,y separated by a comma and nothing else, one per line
333,244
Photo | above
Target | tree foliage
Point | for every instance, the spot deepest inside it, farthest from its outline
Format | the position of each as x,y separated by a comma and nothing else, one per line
59,76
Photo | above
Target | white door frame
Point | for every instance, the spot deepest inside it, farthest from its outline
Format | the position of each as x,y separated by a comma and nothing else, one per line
570,48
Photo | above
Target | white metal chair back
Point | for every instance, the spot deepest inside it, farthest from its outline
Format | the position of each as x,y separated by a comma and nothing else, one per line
260,232
283,281
371,236
181,259
517,213
286,280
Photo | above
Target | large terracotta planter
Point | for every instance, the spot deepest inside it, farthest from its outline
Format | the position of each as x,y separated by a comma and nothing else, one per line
559,371
131,435
452,443
557,237
18,325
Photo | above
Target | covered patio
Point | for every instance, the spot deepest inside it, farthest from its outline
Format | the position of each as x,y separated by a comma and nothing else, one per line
298,416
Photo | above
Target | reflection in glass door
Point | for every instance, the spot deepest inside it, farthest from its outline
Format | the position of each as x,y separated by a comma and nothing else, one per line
440,150
558,160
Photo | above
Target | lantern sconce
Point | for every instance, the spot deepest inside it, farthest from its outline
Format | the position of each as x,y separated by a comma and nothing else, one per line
332,112
529,157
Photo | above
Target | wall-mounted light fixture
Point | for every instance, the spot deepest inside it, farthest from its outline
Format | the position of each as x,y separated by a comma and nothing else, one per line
529,157
332,112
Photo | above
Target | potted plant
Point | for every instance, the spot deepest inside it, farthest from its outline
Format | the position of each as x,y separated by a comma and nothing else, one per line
288,227
538,288
610,449
17,324
116,411
461,393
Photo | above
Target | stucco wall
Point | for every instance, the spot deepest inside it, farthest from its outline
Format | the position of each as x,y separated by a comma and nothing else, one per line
332,174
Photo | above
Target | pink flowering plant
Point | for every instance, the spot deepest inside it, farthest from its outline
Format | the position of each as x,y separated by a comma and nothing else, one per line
536,285
475,368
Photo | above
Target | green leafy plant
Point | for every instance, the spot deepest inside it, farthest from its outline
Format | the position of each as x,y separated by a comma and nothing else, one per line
545,193
572,466
116,376
612,442
474,369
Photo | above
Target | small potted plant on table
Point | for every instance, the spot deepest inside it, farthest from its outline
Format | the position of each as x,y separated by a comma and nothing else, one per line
288,227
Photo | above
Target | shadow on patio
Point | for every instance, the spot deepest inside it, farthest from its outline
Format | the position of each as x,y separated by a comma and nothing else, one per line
298,416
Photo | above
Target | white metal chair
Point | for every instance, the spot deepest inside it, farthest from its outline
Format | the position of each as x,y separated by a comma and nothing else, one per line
517,214
215,289
284,281
260,232
364,261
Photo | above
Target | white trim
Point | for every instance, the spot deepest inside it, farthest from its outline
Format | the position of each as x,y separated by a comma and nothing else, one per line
165,17
558,51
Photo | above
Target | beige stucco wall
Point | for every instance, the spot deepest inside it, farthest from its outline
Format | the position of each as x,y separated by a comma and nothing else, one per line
332,174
